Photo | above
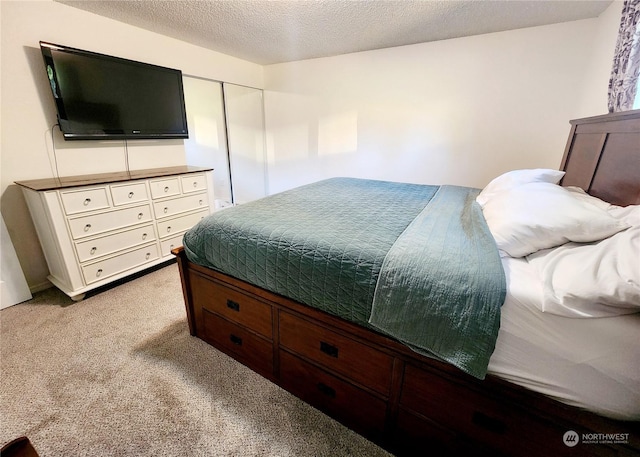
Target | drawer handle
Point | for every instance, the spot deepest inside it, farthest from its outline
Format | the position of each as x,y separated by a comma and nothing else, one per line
98,273
147,256
166,189
328,349
195,183
93,250
144,236
86,201
488,423
168,229
166,210
140,215
200,202
326,390
130,194
235,306
87,227
235,339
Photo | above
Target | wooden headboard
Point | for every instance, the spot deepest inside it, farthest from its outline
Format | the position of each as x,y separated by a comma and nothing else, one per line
603,157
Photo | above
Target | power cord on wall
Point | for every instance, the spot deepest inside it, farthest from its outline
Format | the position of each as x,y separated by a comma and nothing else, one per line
126,157
53,148
56,171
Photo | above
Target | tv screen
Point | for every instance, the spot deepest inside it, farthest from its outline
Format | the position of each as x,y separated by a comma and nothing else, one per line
103,97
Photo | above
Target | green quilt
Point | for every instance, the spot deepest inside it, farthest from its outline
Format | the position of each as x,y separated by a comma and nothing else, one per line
325,244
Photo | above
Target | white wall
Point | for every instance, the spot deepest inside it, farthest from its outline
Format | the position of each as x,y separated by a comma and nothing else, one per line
456,111
598,70
28,111
459,111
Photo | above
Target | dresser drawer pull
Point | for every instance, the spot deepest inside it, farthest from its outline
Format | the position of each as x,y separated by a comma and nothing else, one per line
98,273
87,227
144,236
328,349
166,189
488,423
130,194
148,256
195,184
325,389
166,210
200,202
235,339
93,250
168,229
233,305
86,201
140,215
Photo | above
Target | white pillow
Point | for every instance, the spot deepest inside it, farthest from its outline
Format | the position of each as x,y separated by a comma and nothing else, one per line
629,214
516,178
541,215
580,194
592,280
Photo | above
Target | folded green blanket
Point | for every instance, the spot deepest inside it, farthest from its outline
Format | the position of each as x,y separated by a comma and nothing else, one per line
441,285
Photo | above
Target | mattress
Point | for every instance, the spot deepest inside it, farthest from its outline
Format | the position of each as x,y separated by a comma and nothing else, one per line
593,364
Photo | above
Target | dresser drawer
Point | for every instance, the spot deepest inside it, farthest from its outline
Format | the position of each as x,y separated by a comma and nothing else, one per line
170,227
124,194
84,199
350,405
168,208
123,262
169,243
98,247
98,223
487,421
355,360
234,306
193,183
166,187
247,347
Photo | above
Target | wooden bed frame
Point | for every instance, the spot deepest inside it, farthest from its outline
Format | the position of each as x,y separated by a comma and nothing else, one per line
407,403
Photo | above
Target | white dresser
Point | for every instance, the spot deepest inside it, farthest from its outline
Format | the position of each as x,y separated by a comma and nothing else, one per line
96,229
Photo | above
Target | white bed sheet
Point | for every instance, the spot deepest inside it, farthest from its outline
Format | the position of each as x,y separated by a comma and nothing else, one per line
593,364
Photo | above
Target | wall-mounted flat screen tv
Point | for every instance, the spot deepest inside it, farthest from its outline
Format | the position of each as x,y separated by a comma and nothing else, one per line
100,97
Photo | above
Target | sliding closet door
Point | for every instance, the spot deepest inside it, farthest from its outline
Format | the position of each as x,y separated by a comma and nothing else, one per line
207,143
245,127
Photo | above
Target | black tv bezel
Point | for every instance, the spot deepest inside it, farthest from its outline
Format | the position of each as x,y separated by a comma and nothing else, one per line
45,49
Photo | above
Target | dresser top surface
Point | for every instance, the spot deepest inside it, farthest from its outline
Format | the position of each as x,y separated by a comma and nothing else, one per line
106,178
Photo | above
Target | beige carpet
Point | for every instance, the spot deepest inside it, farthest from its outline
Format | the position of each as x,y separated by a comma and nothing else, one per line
118,374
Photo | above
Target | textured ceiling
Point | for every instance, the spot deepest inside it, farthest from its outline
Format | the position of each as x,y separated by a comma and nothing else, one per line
274,31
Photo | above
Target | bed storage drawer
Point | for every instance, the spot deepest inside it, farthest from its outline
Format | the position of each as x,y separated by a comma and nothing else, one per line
236,307
350,405
359,362
416,435
237,341
478,417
